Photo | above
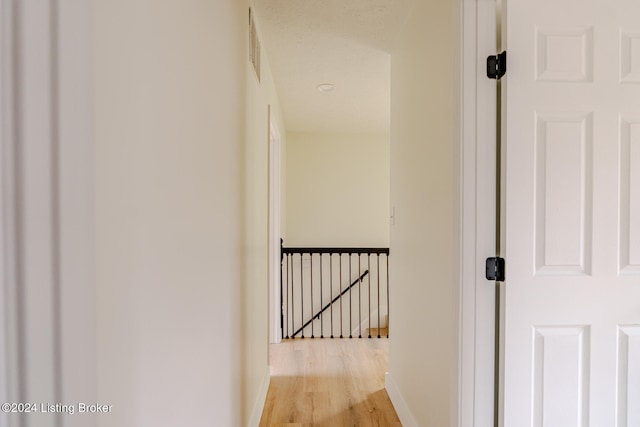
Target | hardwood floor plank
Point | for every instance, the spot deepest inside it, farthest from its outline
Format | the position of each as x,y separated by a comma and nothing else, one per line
329,383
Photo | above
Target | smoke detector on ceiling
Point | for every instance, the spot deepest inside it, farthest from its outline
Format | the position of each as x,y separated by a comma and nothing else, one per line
326,87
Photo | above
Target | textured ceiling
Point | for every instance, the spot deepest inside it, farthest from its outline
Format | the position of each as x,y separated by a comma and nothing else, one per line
343,42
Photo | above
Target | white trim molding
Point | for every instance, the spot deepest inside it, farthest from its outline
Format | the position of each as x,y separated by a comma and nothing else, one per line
275,308
29,198
9,354
256,414
476,303
399,404
46,204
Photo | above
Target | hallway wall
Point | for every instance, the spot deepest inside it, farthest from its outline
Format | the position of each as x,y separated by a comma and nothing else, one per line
338,189
424,263
170,129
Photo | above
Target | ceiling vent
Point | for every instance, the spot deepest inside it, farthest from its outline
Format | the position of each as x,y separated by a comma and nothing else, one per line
254,46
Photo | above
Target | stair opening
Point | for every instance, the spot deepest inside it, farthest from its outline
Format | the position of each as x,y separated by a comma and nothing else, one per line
335,292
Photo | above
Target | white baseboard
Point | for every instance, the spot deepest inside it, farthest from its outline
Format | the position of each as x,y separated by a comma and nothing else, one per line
254,421
400,405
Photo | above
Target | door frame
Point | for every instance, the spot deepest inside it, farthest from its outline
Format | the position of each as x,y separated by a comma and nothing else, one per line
47,184
477,124
8,383
275,331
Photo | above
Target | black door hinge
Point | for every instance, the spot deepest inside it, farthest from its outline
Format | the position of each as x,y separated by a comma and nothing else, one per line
495,269
497,65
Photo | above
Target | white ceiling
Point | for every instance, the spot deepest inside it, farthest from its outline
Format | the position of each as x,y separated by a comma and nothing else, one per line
343,42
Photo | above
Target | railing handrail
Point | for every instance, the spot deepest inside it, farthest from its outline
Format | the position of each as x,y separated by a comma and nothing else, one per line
317,315
334,250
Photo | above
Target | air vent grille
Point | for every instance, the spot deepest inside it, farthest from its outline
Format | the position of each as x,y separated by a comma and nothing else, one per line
254,46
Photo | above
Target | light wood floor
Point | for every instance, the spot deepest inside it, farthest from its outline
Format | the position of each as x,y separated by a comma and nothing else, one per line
329,383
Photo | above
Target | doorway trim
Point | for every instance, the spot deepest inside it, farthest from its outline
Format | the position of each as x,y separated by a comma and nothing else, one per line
275,332
8,344
474,402
47,169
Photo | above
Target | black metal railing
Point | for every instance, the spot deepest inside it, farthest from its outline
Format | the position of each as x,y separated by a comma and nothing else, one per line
329,290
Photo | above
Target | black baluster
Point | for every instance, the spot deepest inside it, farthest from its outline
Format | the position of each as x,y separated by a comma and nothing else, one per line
340,255
359,297
292,299
286,261
301,296
281,293
321,300
350,297
369,283
387,296
378,267
331,288
311,281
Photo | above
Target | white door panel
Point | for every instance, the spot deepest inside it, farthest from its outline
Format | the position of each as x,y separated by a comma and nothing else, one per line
572,226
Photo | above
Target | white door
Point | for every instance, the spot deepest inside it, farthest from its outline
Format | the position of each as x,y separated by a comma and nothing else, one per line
572,220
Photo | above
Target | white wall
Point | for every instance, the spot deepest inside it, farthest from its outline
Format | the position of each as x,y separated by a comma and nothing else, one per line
170,129
77,177
423,240
337,190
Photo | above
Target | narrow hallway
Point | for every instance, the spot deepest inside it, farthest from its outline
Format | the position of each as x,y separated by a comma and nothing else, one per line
329,383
